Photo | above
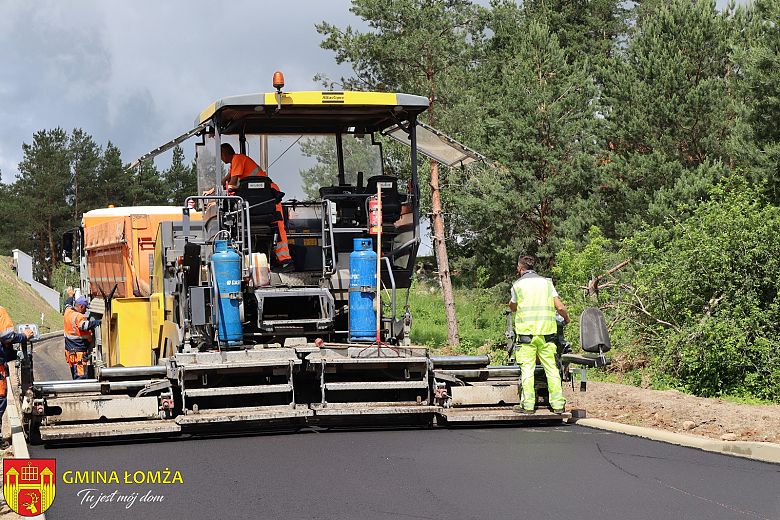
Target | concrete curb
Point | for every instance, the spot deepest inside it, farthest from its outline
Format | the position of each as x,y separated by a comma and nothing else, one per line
50,335
763,451
17,431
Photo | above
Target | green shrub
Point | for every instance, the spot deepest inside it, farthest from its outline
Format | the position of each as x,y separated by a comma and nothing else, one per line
697,307
705,294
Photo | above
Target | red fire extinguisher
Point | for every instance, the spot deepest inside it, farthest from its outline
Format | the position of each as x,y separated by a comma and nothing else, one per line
374,215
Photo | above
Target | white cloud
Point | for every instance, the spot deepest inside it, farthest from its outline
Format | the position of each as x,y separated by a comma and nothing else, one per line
137,73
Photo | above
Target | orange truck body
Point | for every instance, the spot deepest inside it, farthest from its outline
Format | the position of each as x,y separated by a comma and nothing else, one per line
119,246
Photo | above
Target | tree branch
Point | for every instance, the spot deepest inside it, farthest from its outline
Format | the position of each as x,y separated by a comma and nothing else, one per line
593,287
640,306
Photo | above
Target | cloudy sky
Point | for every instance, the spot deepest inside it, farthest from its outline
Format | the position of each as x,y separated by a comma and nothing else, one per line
137,73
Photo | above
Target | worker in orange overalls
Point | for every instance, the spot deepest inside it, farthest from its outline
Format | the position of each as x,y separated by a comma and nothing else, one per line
7,353
242,166
79,339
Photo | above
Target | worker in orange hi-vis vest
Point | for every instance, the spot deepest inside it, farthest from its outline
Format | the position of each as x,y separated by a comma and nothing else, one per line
241,167
79,339
7,353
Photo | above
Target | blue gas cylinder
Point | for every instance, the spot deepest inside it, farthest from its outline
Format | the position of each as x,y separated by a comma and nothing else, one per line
226,266
362,289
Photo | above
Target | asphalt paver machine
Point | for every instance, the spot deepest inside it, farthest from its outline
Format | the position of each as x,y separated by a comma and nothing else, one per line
201,330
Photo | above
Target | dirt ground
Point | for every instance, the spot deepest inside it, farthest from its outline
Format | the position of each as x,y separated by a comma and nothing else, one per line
674,411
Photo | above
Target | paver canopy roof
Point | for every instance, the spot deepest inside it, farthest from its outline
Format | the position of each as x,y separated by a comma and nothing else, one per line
312,112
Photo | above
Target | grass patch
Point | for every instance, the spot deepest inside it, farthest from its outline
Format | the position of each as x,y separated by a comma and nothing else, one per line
648,379
481,324
741,399
23,303
640,378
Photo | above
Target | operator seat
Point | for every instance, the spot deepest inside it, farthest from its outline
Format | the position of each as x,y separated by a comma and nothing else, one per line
263,215
262,200
350,203
391,199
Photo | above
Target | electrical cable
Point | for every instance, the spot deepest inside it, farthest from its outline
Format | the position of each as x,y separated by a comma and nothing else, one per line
284,152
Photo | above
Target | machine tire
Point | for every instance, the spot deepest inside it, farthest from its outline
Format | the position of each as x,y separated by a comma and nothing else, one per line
31,427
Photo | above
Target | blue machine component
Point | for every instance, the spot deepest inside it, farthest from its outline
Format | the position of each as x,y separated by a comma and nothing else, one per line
226,269
362,289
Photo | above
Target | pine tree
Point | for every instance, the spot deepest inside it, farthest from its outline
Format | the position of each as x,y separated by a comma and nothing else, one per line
114,181
43,185
534,116
756,142
148,187
415,46
84,163
180,179
17,221
587,30
668,111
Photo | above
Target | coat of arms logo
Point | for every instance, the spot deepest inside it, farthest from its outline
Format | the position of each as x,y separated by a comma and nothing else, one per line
29,484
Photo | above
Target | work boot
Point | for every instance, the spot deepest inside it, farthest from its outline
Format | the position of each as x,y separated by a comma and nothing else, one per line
287,267
519,409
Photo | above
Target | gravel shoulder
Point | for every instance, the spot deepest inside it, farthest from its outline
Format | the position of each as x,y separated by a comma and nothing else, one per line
677,412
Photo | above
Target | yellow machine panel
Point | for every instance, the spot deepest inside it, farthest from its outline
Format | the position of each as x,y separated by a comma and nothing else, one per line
130,334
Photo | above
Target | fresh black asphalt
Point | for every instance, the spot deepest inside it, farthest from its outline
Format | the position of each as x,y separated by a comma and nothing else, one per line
49,360
565,472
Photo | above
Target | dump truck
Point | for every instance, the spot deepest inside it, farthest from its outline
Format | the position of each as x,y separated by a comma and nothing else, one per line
202,332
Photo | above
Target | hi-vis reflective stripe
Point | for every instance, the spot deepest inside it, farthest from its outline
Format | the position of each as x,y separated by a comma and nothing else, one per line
70,327
533,317
535,313
6,331
73,327
73,331
539,308
282,252
255,172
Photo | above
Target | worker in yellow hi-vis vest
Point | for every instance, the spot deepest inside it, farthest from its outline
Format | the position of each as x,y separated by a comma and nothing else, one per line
534,302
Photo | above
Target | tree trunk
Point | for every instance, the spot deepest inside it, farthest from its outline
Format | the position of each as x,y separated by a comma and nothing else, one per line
52,252
442,262
437,225
75,195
